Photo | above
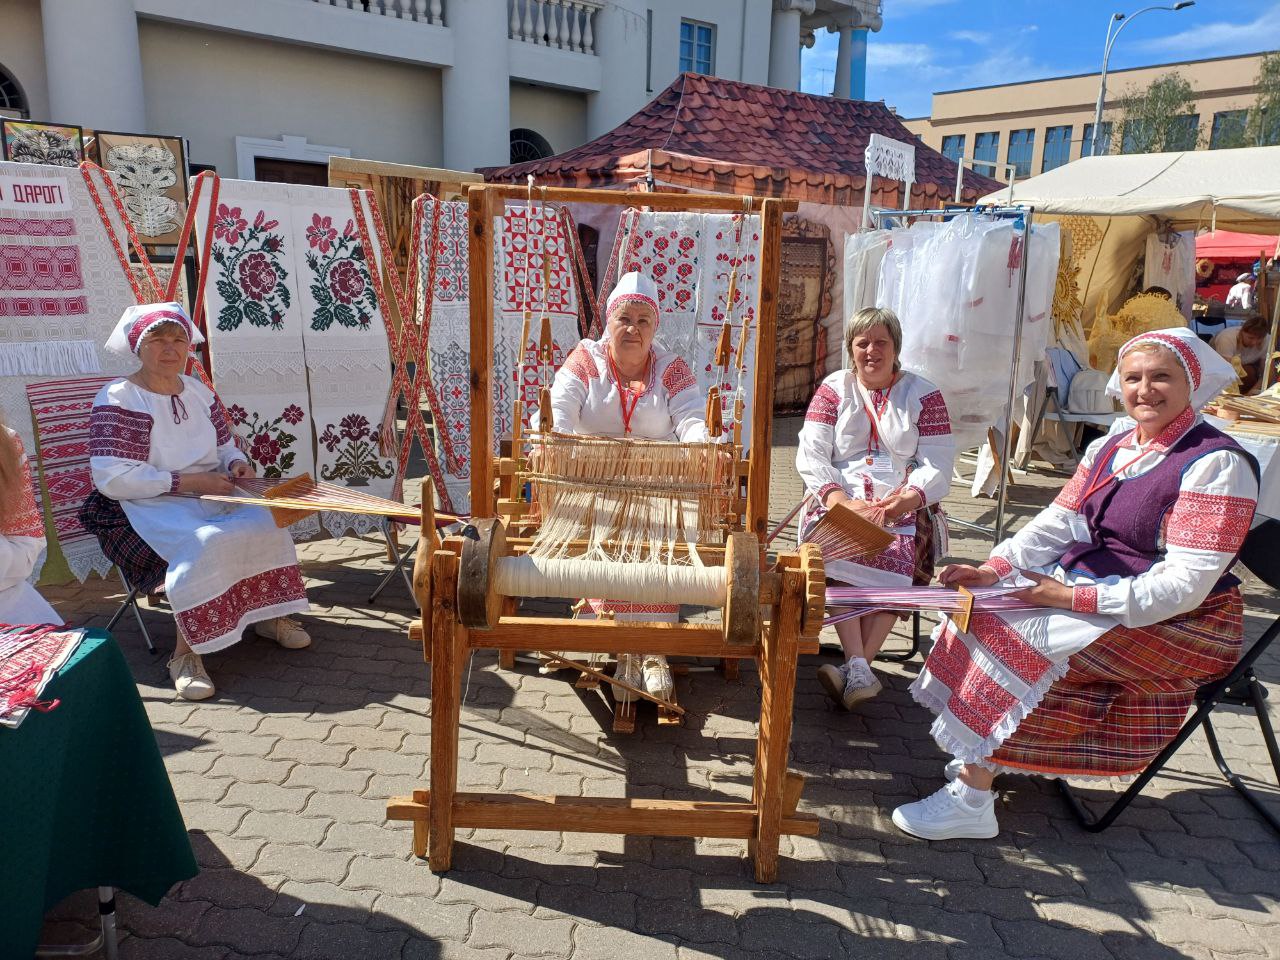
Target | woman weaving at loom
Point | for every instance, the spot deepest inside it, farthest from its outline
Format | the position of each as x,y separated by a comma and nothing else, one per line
158,439
879,439
1131,559
626,385
21,537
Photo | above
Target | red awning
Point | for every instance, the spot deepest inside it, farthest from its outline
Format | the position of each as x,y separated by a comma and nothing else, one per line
1224,245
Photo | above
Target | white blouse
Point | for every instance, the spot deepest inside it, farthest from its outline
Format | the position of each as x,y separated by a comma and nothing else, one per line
141,442
585,398
22,533
1202,532
911,446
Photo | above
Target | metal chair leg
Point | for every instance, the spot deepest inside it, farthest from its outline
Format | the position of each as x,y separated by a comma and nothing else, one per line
397,567
105,941
1096,824
915,643
1259,705
131,603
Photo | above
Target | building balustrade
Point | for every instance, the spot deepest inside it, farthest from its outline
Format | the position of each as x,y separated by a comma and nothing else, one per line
559,24
421,11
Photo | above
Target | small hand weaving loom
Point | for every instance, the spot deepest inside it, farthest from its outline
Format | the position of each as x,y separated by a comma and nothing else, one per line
632,520
298,497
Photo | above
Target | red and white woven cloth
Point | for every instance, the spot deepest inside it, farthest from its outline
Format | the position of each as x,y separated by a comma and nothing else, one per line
29,658
60,409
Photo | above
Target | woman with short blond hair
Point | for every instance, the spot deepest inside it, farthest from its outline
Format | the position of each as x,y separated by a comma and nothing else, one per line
879,439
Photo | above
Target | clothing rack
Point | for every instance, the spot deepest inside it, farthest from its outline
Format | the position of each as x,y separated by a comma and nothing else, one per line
1023,217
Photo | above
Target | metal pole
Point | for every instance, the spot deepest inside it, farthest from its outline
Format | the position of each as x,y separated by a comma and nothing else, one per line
1124,21
1013,376
1271,339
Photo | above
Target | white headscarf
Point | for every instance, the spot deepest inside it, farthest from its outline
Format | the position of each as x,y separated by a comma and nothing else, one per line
1207,372
634,287
136,322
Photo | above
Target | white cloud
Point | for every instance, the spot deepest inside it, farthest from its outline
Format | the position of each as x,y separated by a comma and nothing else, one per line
1221,37
899,54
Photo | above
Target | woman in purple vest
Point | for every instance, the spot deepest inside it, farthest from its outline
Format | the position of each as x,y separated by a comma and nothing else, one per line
1130,565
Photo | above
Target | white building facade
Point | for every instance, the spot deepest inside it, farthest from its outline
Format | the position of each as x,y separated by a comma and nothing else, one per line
452,83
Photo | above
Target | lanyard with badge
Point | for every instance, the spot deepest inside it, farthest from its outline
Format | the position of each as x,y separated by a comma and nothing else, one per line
1078,524
876,458
625,393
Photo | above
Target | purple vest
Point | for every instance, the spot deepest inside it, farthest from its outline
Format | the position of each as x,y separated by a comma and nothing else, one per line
1126,516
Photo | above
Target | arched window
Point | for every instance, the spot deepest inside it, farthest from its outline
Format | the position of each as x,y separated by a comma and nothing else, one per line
529,145
11,97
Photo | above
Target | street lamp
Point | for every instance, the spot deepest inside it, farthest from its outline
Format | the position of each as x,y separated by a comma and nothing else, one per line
1124,20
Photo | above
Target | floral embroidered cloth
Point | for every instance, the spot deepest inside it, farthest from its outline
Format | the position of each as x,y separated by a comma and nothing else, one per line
29,657
298,337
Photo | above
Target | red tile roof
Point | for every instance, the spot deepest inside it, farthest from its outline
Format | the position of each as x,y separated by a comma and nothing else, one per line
705,133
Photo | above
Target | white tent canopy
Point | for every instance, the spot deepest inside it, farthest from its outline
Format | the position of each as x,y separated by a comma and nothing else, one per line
1130,195
1239,189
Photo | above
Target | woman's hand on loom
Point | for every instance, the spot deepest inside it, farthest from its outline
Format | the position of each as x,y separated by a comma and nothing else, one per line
202,483
897,504
967,575
240,468
836,496
1047,591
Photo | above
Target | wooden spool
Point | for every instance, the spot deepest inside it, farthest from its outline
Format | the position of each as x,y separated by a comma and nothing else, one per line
479,603
742,601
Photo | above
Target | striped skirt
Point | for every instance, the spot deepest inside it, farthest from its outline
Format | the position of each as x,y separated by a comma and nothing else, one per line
1125,695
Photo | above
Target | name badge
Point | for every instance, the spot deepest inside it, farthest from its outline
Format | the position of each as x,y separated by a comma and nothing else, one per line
878,464
1079,529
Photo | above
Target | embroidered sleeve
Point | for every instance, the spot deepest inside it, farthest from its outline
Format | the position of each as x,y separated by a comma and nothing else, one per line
1084,599
1203,532
569,392
581,365
119,448
924,501
686,404
1048,534
1001,567
817,444
935,449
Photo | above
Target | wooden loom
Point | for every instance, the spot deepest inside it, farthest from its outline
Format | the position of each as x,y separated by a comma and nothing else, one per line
773,605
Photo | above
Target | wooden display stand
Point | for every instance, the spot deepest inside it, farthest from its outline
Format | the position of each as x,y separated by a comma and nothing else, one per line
773,611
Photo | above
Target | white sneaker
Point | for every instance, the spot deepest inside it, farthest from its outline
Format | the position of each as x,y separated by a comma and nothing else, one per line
657,676
947,816
284,631
952,769
833,679
189,677
860,684
629,671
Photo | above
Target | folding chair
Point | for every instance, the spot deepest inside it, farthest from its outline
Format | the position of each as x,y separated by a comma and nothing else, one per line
399,566
105,941
130,602
1239,688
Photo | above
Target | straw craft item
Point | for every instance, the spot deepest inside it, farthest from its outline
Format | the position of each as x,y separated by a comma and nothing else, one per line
844,534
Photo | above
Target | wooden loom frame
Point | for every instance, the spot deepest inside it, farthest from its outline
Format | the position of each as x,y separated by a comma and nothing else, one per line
791,589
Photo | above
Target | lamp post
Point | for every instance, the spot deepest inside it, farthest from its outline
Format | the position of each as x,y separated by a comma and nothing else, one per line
1124,20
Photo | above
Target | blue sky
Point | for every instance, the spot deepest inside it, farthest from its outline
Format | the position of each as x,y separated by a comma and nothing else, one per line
929,45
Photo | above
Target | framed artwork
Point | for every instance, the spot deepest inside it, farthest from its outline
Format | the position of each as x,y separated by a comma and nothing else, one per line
151,174
27,141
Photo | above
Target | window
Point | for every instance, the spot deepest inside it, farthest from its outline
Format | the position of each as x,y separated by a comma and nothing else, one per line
1136,137
1229,129
953,147
697,47
1022,144
1104,139
1057,148
528,145
985,147
1183,132
11,99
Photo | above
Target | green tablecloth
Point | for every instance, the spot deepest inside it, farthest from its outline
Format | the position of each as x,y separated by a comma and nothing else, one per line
84,798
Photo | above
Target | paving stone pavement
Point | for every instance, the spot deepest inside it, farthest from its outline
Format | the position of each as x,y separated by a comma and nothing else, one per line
283,780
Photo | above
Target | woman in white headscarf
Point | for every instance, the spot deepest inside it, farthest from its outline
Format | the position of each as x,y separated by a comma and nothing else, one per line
1129,566
627,385
158,439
